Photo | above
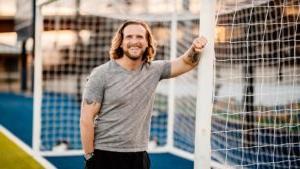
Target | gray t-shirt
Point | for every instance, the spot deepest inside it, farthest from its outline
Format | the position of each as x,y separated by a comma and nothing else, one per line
126,99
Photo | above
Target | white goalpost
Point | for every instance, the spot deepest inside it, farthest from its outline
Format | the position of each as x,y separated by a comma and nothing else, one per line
205,88
240,108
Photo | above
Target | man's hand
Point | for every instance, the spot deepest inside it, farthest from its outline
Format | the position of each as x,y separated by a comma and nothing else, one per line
193,53
199,43
90,163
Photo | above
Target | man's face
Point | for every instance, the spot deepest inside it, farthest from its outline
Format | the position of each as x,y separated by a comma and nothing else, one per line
134,41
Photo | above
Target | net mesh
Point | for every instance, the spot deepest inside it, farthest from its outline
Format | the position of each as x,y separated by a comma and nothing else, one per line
255,121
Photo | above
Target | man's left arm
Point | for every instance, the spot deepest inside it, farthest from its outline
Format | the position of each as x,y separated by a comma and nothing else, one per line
189,59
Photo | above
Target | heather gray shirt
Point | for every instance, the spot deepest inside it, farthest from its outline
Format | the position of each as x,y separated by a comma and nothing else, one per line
126,99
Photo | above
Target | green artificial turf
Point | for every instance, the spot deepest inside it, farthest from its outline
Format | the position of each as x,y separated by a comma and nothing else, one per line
13,157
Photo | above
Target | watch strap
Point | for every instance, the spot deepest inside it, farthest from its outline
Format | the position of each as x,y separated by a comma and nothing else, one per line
88,155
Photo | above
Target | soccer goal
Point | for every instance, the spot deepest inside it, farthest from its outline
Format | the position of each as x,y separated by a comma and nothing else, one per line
242,112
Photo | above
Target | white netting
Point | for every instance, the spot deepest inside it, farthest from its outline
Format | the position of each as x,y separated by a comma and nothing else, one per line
256,115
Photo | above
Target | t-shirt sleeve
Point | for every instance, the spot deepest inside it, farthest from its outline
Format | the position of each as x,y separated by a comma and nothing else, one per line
94,87
164,68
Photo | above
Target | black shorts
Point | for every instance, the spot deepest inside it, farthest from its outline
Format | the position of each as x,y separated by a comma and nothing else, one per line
121,160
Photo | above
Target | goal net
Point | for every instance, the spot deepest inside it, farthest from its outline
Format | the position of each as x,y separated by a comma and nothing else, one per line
256,113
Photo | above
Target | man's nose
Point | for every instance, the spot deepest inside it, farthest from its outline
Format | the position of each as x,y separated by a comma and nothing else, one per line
134,40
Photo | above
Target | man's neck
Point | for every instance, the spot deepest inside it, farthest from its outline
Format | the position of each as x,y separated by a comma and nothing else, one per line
129,64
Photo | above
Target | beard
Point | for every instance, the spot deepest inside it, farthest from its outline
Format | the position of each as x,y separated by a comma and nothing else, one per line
134,56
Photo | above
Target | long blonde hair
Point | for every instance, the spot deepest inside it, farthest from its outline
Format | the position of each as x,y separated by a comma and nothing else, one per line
117,52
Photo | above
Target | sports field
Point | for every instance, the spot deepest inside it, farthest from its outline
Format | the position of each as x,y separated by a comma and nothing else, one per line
13,156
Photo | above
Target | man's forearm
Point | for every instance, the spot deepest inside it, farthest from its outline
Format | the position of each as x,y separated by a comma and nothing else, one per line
89,110
191,57
87,136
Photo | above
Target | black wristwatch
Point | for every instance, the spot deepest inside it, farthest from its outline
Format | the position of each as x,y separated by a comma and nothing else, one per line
88,155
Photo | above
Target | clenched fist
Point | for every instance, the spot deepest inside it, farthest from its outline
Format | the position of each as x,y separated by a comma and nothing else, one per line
199,43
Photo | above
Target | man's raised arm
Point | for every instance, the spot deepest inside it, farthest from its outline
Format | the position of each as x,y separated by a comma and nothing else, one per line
189,59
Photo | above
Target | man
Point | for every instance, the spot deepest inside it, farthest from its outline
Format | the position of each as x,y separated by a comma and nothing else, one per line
119,95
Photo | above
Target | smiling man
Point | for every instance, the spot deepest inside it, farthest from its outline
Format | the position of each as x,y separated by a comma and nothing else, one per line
118,98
